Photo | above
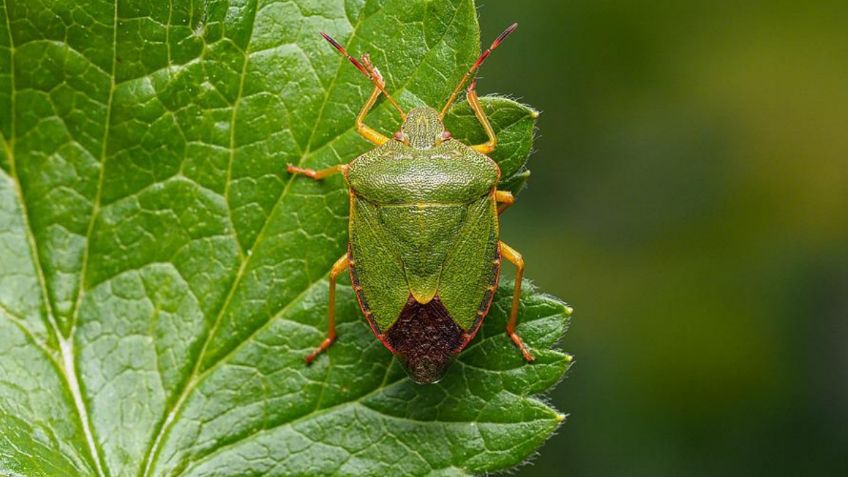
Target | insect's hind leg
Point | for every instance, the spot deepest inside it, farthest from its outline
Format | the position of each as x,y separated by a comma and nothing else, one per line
474,102
340,266
516,259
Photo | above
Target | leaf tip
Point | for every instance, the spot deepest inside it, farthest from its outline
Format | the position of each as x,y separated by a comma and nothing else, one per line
534,114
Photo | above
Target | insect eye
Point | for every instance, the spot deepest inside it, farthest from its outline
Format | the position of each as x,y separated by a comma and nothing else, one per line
446,135
400,136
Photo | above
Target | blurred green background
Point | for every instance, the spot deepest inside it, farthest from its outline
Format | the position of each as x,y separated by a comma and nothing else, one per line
689,197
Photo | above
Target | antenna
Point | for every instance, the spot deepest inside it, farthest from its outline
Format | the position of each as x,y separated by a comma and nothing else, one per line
477,65
366,68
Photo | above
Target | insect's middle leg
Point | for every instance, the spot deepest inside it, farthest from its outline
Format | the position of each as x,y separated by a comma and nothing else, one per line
516,259
474,102
340,266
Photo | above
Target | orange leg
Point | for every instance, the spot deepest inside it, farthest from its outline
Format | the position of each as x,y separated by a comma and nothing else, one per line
510,254
340,266
363,129
319,174
505,199
471,96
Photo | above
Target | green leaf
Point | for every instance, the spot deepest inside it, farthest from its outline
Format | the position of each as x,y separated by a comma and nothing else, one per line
162,277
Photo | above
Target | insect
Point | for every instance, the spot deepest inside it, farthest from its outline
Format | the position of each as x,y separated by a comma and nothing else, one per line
424,253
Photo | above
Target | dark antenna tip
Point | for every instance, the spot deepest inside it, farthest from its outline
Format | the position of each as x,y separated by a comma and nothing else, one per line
504,34
369,70
344,53
477,64
333,42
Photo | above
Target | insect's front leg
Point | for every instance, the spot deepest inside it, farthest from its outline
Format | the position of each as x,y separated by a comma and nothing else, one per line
340,266
363,129
319,174
505,199
516,259
471,96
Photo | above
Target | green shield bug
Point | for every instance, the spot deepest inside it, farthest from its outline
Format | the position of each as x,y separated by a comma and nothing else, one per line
424,253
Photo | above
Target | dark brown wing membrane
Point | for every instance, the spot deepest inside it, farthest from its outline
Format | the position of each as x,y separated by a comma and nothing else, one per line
425,339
